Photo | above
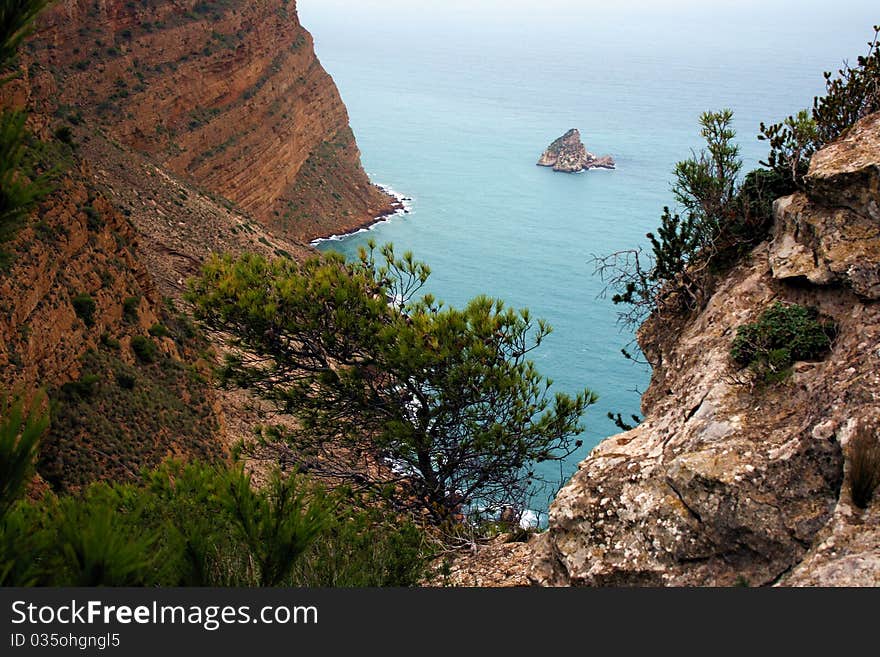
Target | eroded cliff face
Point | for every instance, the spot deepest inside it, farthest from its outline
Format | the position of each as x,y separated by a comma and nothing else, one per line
180,129
226,94
727,481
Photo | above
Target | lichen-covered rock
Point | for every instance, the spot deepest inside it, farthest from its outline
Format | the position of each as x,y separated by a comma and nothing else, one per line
826,244
569,155
832,232
847,551
731,482
847,172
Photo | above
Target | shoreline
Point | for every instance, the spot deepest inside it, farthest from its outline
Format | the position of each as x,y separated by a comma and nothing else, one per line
401,205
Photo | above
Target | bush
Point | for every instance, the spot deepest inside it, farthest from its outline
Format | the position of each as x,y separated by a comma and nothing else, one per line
130,309
850,96
197,525
64,135
782,335
159,331
85,388
145,349
84,306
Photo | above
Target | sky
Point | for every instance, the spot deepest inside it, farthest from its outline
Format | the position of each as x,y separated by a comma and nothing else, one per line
501,10
637,22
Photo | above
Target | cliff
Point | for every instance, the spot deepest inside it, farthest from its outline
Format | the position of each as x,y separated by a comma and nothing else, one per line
179,129
569,155
729,481
226,94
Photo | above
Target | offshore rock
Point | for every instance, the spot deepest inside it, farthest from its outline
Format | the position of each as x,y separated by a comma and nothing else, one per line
569,155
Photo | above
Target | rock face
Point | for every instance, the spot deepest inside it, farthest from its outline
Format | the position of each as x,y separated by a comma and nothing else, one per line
569,155
196,127
727,482
831,234
228,95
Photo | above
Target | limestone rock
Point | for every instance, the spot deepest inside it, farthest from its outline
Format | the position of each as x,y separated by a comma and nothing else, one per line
726,482
831,233
847,172
569,155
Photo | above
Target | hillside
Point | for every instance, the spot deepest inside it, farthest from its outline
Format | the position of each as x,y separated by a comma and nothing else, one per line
175,130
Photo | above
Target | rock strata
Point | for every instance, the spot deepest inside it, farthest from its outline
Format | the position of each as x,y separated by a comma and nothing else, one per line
569,155
228,96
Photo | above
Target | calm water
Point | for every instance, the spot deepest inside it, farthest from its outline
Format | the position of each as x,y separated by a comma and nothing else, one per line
452,105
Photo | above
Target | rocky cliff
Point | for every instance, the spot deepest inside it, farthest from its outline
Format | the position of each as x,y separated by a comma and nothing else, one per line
225,94
730,481
569,155
178,129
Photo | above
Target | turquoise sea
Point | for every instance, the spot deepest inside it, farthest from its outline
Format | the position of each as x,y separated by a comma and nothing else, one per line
453,102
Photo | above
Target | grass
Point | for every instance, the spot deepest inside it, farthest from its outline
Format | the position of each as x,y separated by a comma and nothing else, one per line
864,466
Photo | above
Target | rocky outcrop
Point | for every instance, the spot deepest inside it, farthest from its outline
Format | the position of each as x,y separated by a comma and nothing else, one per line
569,155
227,95
731,482
831,233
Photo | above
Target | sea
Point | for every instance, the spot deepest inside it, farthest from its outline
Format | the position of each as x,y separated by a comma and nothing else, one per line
453,102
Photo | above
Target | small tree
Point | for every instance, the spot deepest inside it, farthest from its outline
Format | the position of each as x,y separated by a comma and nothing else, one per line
448,396
706,184
676,274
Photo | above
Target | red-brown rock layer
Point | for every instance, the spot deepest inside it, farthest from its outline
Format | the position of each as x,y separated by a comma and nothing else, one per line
227,94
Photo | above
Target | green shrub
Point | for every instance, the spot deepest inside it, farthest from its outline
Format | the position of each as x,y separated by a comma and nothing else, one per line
130,307
84,306
782,335
93,218
159,331
145,349
125,381
64,135
85,388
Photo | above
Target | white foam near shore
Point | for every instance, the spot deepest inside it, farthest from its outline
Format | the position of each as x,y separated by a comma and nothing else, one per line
406,206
